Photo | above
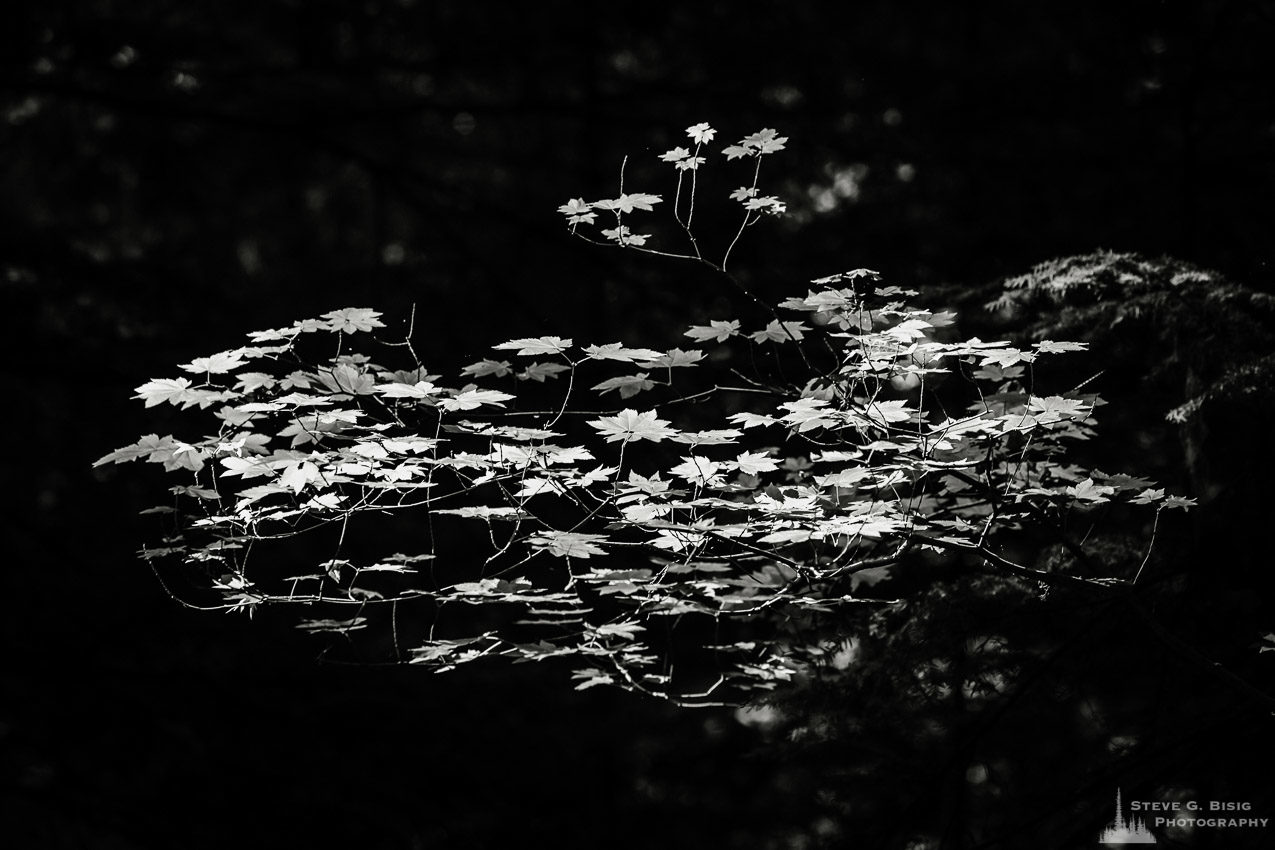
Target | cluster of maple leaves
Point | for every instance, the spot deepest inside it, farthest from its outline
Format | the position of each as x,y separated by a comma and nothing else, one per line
601,525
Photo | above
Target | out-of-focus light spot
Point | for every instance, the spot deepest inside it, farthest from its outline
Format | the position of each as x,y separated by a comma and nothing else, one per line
43,65
783,96
393,254
183,81
976,774
124,57
825,200
847,182
464,123
758,716
624,61
1121,743
19,113
825,827
892,117
249,255
906,172
316,198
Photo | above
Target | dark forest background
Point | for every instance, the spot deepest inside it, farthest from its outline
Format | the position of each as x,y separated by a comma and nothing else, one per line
175,174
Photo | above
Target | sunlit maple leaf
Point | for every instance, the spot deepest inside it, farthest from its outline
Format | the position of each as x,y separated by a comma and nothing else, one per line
569,544
628,385
347,379
499,368
274,334
1088,491
673,359
908,330
941,320
758,144
766,141
353,319
701,133
885,412
617,351
845,478
806,414
718,331
147,447
752,420
755,463
768,204
297,380
1006,357
674,155
777,332
483,512
629,425
629,203
540,371
527,346
623,236
713,437
578,212
160,390
251,381
216,364
297,475
743,193
1048,346
1056,408
421,389
172,453
470,399
696,470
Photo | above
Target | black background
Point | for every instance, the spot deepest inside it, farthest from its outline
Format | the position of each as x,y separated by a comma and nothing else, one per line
175,174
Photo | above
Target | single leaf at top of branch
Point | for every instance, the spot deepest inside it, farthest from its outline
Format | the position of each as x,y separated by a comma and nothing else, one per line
758,144
701,133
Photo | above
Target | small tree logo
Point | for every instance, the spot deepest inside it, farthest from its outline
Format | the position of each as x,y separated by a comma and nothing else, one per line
1121,831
